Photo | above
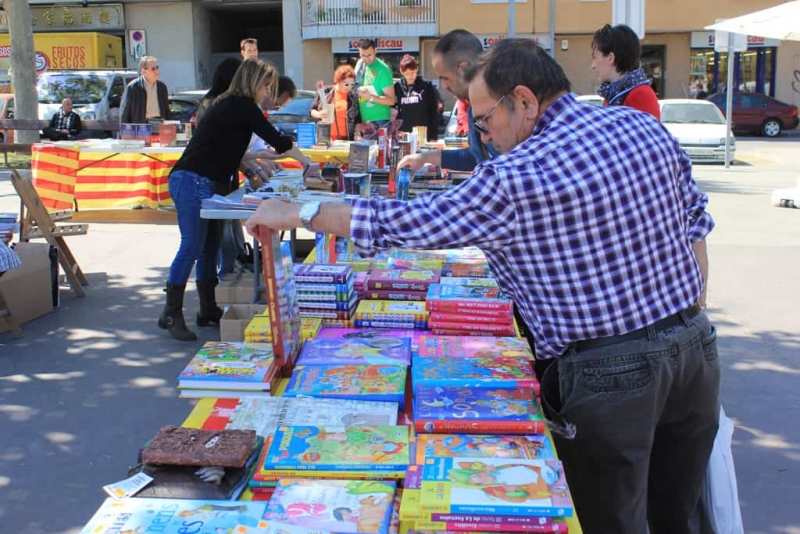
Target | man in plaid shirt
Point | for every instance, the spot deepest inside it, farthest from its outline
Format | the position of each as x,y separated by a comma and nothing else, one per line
66,124
593,225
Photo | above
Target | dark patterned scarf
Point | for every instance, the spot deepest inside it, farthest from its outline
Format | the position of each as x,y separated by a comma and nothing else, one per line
615,92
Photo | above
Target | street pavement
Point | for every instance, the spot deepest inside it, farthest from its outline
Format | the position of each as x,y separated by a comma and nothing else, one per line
95,379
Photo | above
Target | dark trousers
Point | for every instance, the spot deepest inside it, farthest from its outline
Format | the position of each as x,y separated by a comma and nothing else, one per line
644,414
53,134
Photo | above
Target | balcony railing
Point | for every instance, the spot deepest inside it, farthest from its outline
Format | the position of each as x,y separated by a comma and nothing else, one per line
333,18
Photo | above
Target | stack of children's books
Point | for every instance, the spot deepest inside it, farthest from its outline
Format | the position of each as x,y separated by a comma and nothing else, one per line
403,314
225,369
259,329
373,333
399,284
469,306
325,291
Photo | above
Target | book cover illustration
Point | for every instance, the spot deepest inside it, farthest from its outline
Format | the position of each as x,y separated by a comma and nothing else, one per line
488,371
361,351
333,505
468,282
388,310
466,269
368,333
536,446
324,273
274,527
338,448
229,366
173,516
362,382
486,410
449,297
401,279
495,486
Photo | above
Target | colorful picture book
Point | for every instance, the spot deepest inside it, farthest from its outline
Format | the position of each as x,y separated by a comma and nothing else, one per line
274,527
367,333
265,415
229,366
486,410
387,310
473,346
401,279
337,448
476,371
362,351
171,516
361,382
281,297
536,446
322,273
495,486
333,505
455,298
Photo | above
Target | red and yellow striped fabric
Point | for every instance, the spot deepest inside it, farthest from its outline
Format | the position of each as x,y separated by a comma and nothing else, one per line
53,170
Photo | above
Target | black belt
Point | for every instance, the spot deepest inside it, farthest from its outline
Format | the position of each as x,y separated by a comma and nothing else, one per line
640,333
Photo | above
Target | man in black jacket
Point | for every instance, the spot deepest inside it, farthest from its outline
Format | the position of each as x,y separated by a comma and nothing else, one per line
145,97
66,124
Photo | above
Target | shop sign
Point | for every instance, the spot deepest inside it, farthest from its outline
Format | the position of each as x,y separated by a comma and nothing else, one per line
542,39
399,44
706,40
94,17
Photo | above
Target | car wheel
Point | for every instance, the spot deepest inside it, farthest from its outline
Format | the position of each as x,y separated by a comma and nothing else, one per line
771,128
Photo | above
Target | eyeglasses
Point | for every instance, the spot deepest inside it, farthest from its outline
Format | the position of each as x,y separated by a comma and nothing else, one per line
480,124
154,67
349,84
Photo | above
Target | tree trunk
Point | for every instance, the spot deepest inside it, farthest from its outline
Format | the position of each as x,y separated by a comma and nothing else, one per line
23,69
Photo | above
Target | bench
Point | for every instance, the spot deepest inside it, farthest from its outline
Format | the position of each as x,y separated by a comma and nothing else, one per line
36,125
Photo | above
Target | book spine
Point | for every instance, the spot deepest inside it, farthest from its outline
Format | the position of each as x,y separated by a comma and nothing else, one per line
399,317
459,306
494,523
461,526
453,426
304,296
393,284
268,260
501,329
326,314
385,469
340,278
388,294
332,305
324,288
488,509
456,318
419,380
403,325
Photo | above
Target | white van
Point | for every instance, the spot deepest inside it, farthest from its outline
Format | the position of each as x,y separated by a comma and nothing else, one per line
96,94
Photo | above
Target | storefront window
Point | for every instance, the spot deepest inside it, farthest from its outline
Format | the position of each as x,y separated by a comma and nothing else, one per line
753,71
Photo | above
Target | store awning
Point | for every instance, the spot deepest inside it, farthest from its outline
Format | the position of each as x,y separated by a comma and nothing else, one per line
779,22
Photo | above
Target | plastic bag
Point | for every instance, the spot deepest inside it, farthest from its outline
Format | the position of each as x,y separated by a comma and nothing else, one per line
720,495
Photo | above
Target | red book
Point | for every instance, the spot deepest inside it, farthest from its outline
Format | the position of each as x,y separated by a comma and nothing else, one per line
470,318
408,280
490,329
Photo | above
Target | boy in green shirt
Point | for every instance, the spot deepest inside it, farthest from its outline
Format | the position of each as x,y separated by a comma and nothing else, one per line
376,92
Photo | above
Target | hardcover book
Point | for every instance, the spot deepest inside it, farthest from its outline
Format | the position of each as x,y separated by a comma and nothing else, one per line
361,382
473,347
338,448
454,298
482,328
536,446
401,279
222,365
323,273
360,351
347,287
466,269
417,325
367,333
172,516
274,527
495,486
468,282
476,371
333,505
456,318
342,305
500,410
281,297
203,448
387,310
393,294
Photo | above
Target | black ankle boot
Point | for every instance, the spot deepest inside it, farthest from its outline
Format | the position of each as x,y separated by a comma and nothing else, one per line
171,319
210,313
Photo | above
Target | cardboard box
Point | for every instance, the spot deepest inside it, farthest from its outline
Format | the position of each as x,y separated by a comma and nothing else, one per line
27,290
235,320
236,289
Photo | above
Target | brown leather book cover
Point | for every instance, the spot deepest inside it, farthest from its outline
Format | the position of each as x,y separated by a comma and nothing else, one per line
203,448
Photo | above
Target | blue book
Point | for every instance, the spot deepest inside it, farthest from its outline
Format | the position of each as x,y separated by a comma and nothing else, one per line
359,382
352,506
361,351
173,516
488,371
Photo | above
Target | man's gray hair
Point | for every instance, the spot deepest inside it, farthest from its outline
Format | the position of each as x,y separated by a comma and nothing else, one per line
145,61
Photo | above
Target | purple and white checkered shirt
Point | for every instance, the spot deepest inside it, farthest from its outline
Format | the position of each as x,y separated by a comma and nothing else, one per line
587,224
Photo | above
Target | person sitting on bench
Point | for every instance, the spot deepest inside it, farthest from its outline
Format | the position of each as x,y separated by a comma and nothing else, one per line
66,124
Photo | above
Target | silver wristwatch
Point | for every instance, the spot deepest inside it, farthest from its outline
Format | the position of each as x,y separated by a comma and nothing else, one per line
308,212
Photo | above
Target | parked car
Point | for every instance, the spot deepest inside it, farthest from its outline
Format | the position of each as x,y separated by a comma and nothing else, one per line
95,94
297,111
755,112
698,126
183,107
6,112
592,100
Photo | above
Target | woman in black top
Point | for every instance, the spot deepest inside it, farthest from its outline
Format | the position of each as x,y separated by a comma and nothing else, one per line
417,101
205,168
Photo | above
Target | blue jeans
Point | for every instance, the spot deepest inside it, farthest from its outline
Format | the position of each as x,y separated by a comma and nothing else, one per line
645,413
200,238
233,244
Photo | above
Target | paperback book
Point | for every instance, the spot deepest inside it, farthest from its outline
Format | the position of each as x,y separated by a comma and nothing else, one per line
486,410
361,382
356,351
495,486
350,506
173,516
476,371
338,448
